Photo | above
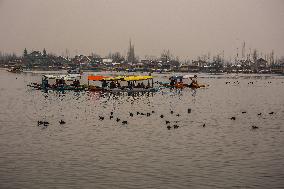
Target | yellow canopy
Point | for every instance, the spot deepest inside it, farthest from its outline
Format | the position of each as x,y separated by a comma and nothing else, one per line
114,78
137,78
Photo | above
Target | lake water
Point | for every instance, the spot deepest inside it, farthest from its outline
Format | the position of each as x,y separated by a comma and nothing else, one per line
90,153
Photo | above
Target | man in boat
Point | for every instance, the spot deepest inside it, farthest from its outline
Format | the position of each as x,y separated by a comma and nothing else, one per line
173,82
118,85
193,83
44,82
104,84
76,83
142,85
112,85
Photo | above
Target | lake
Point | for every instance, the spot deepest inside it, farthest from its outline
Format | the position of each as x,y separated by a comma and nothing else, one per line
207,150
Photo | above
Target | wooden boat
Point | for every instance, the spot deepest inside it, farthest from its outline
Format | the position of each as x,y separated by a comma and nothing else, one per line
113,84
15,70
59,84
179,84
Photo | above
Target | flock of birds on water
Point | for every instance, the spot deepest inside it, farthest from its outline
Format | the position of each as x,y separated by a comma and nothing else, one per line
148,114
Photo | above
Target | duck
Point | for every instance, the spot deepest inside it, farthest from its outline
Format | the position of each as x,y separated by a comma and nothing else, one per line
161,116
203,125
271,113
189,110
176,126
117,119
169,127
148,114
131,114
110,117
62,122
101,118
39,122
233,118
167,122
254,127
244,112
124,122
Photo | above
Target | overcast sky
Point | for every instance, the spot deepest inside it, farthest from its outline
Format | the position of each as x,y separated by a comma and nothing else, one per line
187,28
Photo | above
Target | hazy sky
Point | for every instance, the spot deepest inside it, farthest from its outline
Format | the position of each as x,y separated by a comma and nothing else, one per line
186,27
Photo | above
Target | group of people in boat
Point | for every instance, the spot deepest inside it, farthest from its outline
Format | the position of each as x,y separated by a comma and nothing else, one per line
178,82
58,83
130,85
134,84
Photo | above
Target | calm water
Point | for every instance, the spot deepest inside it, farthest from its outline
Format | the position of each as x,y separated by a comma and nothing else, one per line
89,153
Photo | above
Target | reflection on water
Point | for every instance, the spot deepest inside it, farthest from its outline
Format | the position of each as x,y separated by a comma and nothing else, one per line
89,152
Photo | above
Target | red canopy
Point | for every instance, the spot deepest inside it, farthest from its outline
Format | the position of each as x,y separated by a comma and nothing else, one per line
96,77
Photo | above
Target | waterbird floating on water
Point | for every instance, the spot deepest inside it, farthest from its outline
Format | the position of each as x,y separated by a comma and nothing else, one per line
62,122
233,118
176,126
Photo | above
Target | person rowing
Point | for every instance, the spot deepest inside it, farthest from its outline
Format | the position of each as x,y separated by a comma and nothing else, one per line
193,83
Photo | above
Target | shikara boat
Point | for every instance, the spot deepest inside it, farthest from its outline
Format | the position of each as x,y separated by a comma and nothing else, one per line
118,84
177,82
59,83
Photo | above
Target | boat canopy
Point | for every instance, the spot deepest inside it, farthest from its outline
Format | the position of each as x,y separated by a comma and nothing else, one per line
117,78
137,78
96,77
128,78
175,77
114,78
188,76
50,76
65,77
